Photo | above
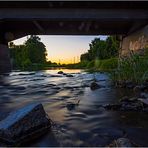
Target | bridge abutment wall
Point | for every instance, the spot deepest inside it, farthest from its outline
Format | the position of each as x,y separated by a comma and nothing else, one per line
136,42
5,64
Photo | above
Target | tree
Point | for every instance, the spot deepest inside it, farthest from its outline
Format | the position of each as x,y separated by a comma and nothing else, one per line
17,55
112,46
85,57
101,49
35,50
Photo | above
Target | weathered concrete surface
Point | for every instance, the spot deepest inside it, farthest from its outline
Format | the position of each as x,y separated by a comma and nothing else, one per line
5,65
24,124
136,42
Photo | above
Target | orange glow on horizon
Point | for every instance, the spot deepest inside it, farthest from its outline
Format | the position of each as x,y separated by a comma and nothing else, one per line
64,61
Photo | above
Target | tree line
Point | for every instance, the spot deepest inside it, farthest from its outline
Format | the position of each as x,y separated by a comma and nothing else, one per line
29,56
102,55
102,49
32,54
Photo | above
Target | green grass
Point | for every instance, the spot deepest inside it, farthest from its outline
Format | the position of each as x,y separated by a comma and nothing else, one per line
103,65
134,69
96,65
108,64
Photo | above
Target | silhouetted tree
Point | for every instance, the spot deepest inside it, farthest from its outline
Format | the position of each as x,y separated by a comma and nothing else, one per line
33,51
101,49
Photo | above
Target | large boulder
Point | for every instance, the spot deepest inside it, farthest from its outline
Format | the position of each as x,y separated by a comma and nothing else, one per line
24,124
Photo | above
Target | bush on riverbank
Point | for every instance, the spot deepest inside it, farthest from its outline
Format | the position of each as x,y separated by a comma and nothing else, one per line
105,65
108,64
96,65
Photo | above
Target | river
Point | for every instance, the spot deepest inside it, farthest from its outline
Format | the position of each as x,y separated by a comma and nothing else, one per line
87,124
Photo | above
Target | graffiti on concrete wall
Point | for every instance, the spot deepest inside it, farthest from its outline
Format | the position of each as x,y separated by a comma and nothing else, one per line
141,43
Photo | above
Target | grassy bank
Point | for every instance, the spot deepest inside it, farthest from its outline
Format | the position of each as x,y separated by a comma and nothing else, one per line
96,65
28,66
133,69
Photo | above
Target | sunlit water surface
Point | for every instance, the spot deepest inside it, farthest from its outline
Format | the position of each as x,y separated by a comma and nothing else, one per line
87,124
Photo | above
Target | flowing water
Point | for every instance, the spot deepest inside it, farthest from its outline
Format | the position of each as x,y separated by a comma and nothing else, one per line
85,124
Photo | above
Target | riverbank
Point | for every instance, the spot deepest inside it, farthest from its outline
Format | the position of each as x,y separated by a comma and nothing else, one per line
133,69
96,65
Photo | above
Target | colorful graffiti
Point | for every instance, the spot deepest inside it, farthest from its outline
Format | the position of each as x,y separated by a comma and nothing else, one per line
141,43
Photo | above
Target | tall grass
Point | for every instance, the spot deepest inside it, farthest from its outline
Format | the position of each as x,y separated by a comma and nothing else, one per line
103,65
134,68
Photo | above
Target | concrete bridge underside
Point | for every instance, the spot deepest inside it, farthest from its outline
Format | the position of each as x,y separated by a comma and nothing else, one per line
18,19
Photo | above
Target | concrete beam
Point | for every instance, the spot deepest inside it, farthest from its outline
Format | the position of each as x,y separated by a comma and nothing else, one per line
72,18
39,27
75,4
73,14
135,27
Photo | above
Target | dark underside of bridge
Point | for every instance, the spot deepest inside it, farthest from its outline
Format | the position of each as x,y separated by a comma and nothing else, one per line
72,18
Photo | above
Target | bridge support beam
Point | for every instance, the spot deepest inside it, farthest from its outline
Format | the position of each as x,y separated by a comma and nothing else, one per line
5,64
136,42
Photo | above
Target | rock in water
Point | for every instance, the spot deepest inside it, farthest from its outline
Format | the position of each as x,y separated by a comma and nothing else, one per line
121,142
94,86
69,75
144,101
60,72
24,124
72,105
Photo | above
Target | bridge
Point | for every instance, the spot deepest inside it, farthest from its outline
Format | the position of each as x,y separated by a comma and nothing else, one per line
127,19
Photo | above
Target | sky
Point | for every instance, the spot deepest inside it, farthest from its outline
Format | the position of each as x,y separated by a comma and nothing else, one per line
64,49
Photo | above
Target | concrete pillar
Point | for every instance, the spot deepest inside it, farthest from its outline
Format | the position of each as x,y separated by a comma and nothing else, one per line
5,65
136,42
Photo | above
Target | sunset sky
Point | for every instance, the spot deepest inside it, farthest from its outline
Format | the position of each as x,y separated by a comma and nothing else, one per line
64,49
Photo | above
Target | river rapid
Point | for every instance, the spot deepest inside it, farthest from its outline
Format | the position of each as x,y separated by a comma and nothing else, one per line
86,124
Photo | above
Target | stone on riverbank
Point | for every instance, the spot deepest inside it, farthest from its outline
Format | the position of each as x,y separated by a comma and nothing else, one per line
132,104
131,85
144,95
144,101
112,106
128,100
24,124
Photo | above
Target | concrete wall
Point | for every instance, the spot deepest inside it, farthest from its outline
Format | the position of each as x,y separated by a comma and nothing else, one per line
135,42
5,65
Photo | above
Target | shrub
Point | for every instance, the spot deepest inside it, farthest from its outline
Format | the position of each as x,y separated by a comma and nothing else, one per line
26,64
91,64
109,64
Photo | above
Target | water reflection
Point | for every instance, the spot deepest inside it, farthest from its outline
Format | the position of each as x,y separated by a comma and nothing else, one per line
87,124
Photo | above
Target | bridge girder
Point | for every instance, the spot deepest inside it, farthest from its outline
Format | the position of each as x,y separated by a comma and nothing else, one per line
18,19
